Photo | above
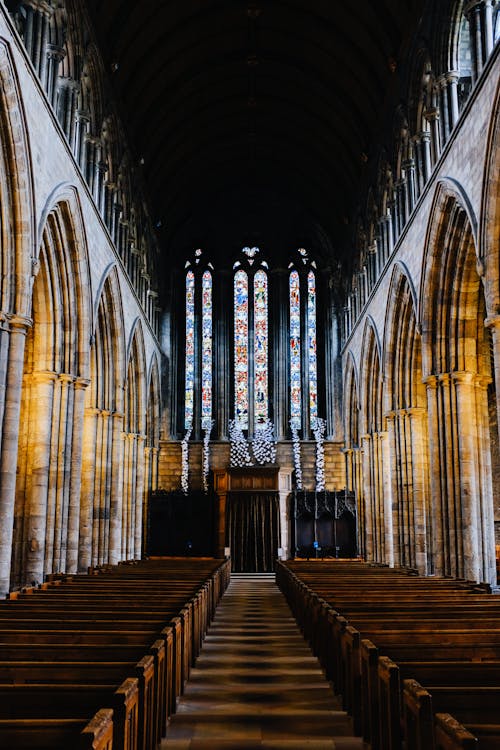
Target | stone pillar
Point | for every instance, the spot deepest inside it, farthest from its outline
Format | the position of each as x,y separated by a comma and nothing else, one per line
416,418
494,324
487,514
432,116
452,78
66,433
467,436
139,495
285,488
76,484
116,492
42,395
410,197
13,360
367,491
425,140
436,519
473,11
387,498
443,98
488,28
89,469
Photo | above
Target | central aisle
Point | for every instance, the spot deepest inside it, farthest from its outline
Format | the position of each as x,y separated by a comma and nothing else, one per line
256,683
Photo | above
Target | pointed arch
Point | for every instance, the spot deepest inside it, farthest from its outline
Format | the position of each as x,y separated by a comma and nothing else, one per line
457,372
352,441
101,497
134,427
16,193
406,415
55,377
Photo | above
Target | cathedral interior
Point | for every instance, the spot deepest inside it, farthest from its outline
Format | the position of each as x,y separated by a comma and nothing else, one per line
250,289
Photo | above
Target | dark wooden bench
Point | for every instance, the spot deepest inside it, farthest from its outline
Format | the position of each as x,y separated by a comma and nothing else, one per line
59,734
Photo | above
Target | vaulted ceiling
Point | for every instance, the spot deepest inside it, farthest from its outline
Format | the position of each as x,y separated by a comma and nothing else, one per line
255,120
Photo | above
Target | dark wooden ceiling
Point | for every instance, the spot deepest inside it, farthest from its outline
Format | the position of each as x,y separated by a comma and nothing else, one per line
254,120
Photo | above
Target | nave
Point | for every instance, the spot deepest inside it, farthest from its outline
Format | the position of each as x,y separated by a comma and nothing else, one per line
256,683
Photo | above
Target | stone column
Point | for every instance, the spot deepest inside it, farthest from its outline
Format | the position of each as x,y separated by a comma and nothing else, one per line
18,327
443,98
394,463
452,78
64,435
425,140
387,498
472,11
494,324
469,490
42,395
116,492
487,514
436,519
409,167
89,469
416,417
488,28
139,495
367,491
75,484
432,116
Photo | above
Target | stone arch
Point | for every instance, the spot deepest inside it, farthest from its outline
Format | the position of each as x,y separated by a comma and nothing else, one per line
353,454
373,440
55,379
133,449
16,194
152,446
457,372
101,497
16,238
489,231
407,427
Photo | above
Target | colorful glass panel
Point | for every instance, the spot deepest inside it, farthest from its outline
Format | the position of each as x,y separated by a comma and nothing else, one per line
295,385
261,345
189,379
312,353
206,351
241,348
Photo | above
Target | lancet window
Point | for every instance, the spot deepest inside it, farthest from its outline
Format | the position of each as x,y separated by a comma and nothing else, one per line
198,343
251,341
303,357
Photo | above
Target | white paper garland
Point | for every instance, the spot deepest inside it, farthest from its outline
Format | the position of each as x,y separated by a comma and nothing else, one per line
185,461
297,462
319,434
264,443
239,454
206,454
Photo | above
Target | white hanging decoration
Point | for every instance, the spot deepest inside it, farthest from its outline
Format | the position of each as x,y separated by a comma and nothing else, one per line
206,453
240,454
297,463
264,443
185,461
319,434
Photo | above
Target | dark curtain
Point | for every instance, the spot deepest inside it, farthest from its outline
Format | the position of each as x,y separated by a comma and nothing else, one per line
252,531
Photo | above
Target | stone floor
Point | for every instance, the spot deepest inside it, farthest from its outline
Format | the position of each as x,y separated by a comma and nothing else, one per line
256,683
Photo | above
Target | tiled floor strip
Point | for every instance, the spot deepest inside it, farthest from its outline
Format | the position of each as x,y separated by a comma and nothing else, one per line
256,683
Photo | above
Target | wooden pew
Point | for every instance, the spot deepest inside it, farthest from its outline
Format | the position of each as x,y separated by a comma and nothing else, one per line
47,701
113,626
59,734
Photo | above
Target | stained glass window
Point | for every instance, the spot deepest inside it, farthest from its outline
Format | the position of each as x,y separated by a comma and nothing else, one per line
295,385
312,354
206,351
261,343
241,348
189,380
